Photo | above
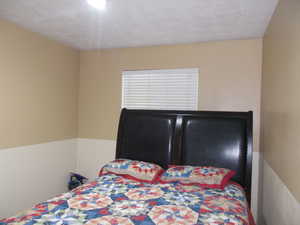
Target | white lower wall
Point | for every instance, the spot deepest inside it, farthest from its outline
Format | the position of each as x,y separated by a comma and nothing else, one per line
92,154
31,174
256,195
279,205
35,173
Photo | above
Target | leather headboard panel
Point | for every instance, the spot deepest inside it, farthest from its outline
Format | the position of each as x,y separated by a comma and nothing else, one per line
215,141
146,137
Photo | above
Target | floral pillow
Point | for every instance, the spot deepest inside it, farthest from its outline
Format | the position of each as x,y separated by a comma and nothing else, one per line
134,170
205,176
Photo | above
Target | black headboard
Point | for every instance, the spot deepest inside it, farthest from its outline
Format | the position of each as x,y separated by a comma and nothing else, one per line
199,138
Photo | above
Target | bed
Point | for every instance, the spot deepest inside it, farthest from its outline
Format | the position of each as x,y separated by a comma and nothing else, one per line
197,138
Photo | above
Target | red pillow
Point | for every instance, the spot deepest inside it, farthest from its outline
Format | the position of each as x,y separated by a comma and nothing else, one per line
134,170
205,176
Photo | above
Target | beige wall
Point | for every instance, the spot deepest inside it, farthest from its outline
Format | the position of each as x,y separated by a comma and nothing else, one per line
281,94
230,78
38,88
39,80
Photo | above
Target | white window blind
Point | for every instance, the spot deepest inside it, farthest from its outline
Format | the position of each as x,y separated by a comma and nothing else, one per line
160,89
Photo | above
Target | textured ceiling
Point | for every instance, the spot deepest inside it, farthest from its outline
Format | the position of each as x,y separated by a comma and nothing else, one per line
127,23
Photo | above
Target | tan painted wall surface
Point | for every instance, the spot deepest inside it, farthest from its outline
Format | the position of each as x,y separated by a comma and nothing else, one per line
230,78
281,94
38,88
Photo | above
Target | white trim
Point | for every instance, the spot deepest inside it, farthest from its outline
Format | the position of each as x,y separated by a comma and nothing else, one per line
92,154
256,190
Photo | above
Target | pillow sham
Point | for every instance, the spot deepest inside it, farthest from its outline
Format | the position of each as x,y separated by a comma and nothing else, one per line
134,170
205,176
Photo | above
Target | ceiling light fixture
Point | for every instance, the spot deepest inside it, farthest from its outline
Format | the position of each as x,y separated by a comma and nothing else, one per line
98,4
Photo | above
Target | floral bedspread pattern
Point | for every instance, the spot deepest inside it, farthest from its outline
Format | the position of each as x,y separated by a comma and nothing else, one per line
114,200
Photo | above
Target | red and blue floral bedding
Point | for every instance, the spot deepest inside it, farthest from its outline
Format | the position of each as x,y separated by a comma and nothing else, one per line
112,200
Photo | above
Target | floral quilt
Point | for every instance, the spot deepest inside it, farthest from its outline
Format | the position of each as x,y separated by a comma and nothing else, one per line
114,200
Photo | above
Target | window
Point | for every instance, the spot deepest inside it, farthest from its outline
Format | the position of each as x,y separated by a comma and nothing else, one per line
160,89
